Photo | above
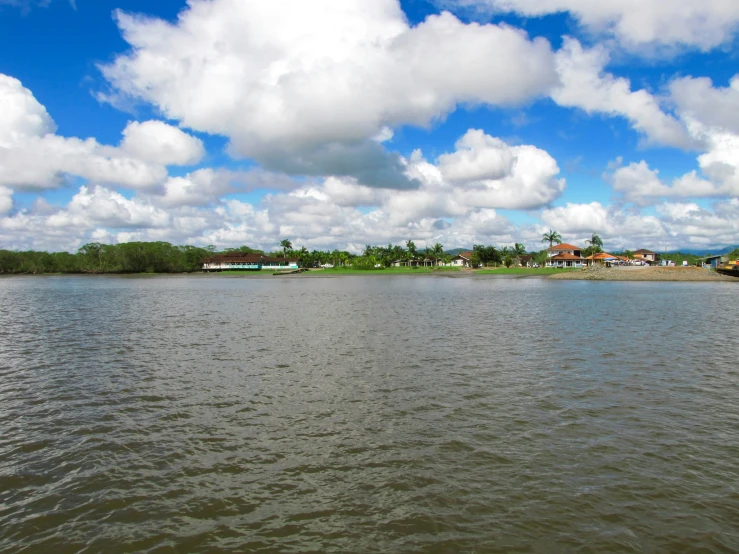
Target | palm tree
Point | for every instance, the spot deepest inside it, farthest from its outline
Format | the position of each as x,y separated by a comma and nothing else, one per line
596,245
437,251
410,245
519,249
286,245
303,252
551,237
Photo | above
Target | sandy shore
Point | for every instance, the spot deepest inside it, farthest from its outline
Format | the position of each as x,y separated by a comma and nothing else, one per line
645,274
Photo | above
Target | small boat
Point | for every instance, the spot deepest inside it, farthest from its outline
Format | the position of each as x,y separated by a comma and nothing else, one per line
729,268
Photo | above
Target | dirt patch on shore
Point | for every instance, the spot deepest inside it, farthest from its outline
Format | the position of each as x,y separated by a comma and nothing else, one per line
600,273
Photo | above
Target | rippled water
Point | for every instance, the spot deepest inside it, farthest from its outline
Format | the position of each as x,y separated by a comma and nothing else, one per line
366,414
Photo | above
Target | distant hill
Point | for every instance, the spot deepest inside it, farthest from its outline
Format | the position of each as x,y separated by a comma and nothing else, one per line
704,251
457,251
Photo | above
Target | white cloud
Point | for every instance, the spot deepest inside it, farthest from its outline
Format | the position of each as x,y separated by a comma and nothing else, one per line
6,200
40,163
478,157
305,87
21,115
640,184
32,157
483,172
618,228
636,24
689,223
584,85
162,144
309,217
488,173
709,116
93,211
676,225
196,189
696,99
101,206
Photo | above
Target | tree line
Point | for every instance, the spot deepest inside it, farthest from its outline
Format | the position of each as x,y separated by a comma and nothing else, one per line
129,257
163,257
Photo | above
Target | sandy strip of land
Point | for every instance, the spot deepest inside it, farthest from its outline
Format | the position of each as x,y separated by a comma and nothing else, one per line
628,273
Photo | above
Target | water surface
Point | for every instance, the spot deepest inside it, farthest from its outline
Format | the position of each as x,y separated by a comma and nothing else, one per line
366,414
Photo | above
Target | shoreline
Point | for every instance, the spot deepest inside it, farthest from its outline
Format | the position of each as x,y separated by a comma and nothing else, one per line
655,274
661,274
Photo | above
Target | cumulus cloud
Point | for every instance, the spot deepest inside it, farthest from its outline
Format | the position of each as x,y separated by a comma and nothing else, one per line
585,85
619,228
696,99
482,172
690,223
21,115
6,200
717,176
93,209
640,184
677,224
310,217
32,157
162,144
308,87
635,23
102,206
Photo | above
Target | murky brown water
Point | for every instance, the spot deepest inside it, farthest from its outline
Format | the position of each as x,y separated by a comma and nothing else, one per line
367,414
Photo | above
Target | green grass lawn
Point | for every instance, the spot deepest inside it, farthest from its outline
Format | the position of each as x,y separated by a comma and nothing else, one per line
416,271
384,271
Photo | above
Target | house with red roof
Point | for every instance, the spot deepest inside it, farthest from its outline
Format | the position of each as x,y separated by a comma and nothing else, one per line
565,255
604,258
646,256
248,261
461,260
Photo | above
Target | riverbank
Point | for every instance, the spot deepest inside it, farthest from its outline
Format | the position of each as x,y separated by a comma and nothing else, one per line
513,272
599,273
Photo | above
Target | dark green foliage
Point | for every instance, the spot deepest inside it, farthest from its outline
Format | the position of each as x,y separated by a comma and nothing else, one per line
363,262
163,257
487,255
130,257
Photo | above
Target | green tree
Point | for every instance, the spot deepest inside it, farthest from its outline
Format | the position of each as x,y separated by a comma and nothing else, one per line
487,254
412,251
596,246
551,237
596,242
286,245
519,249
437,251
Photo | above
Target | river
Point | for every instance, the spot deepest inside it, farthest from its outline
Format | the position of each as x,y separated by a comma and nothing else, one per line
367,414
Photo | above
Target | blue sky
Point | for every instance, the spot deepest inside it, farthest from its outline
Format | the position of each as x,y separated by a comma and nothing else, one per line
337,123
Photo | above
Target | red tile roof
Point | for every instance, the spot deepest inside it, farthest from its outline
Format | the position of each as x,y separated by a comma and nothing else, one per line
565,246
236,257
246,258
566,256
